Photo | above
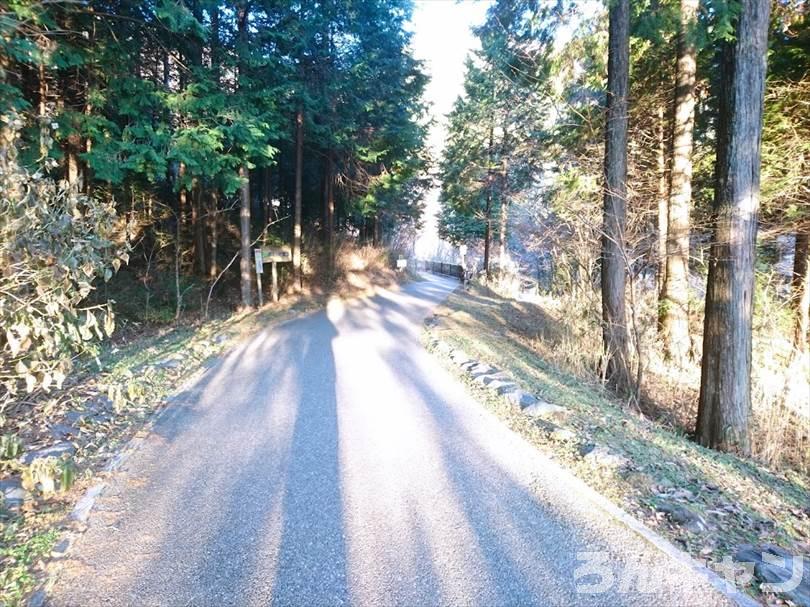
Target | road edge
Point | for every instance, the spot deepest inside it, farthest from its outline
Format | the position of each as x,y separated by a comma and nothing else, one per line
661,543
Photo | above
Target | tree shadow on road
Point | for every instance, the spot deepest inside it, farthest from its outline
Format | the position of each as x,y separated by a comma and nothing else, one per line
240,499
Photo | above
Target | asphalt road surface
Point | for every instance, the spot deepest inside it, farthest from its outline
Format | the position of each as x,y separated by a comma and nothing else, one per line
332,461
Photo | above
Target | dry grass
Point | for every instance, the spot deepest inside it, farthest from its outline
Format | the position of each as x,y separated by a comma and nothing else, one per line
565,331
549,347
357,270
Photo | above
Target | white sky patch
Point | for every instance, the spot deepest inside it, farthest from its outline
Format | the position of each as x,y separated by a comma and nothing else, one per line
442,38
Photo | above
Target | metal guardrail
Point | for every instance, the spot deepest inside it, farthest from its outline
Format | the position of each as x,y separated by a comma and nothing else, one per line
439,267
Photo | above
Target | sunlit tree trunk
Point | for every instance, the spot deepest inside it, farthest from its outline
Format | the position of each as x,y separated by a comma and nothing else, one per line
724,407
676,277
488,208
661,157
614,267
502,223
504,210
800,290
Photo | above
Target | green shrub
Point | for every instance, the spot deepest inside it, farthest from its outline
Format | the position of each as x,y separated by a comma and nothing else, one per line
54,243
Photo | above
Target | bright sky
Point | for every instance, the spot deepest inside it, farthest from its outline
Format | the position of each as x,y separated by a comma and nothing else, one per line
442,38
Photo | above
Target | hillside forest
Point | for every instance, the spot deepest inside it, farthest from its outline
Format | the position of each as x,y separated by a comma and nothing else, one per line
149,147
645,167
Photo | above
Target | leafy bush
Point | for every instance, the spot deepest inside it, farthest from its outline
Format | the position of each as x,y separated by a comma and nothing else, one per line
54,243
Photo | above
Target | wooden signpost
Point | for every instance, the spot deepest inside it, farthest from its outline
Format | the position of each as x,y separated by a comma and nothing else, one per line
273,255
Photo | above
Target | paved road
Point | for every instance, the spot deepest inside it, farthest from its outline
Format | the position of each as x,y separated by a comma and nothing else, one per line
330,461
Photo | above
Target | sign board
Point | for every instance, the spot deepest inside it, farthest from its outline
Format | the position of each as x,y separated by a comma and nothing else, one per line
402,263
277,254
271,255
257,255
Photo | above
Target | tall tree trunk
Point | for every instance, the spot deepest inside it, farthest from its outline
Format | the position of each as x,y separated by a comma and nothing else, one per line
73,168
244,239
267,196
198,226
214,55
246,276
182,207
503,219
213,222
614,271
44,49
724,408
800,290
676,281
167,70
73,95
488,208
329,212
299,169
663,200
487,233
213,209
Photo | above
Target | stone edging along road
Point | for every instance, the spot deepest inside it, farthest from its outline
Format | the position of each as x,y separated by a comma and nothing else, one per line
503,385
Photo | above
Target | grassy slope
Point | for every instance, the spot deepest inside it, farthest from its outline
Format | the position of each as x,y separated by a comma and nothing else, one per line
740,501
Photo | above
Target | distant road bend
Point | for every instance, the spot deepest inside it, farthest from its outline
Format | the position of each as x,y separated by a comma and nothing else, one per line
331,461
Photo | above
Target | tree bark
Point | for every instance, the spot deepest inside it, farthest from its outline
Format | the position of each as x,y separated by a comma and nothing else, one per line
267,196
676,281
213,210
43,93
299,169
246,276
73,84
198,226
503,218
213,222
182,205
663,200
724,407
245,273
488,208
487,233
614,270
329,213
800,290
